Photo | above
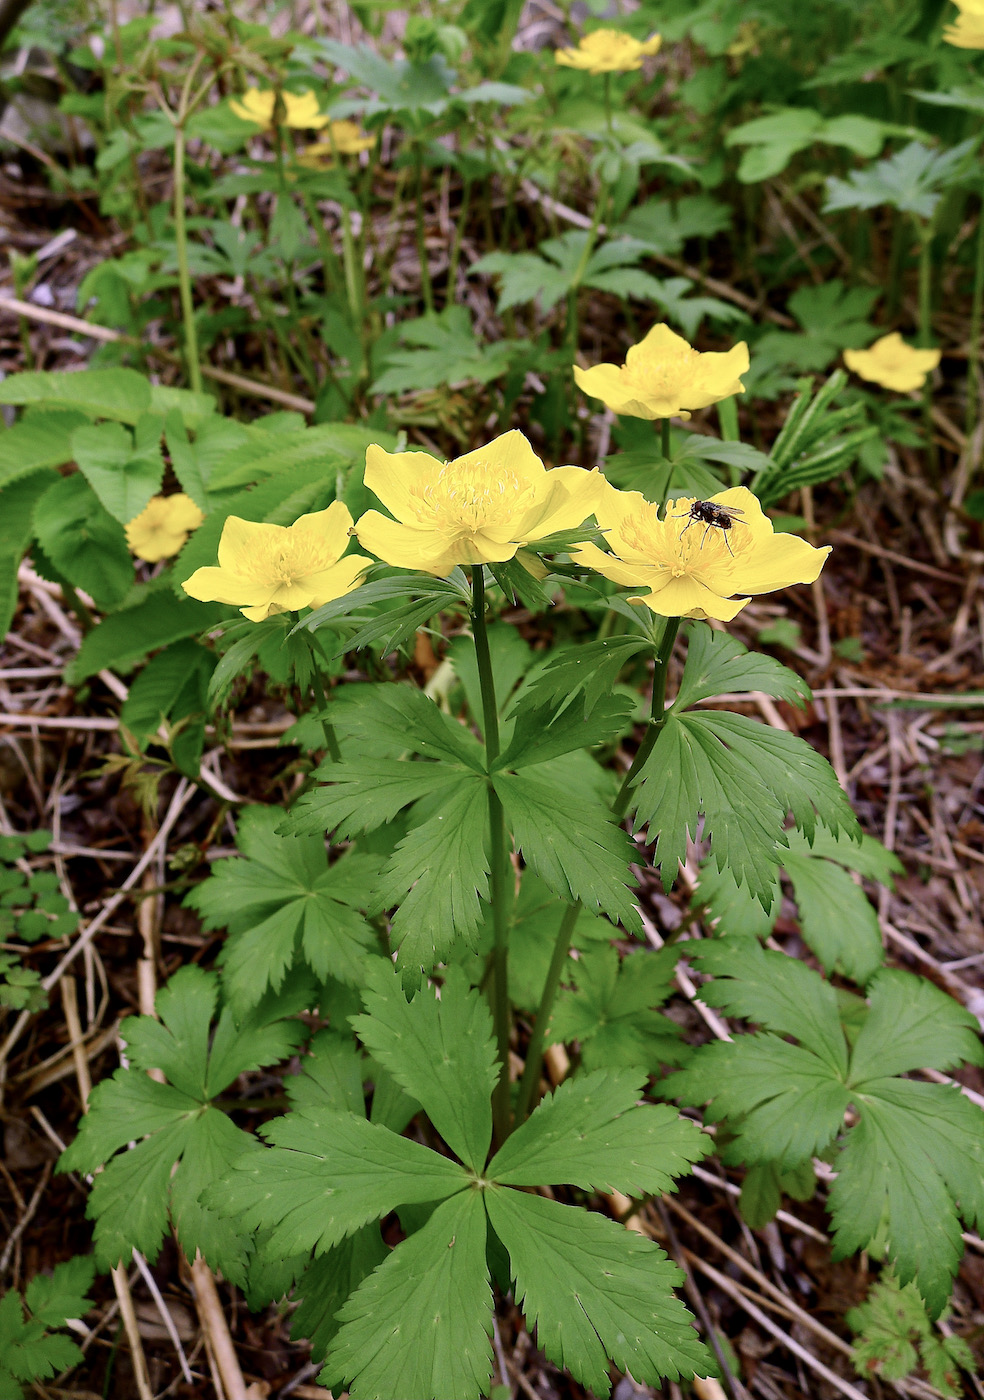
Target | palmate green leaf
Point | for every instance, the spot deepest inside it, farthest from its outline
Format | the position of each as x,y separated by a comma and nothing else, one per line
916,1149
421,1324
690,773
27,1352
588,670
539,735
330,1077
610,1010
363,794
444,350
594,1290
525,277
801,780
17,502
281,901
124,470
912,180
912,1024
64,1293
836,918
439,876
442,1052
119,394
186,1142
719,664
327,1175
329,1281
914,1158
776,991
593,1133
581,854
411,720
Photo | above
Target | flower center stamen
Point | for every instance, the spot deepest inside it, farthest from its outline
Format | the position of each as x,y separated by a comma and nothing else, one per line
468,497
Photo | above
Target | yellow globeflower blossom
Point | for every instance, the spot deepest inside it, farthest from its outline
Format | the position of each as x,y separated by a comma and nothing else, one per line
300,109
893,364
664,377
267,569
967,30
162,527
344,139
608,51
478,509
689,567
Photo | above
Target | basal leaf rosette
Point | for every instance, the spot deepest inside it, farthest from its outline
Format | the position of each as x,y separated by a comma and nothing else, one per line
665,377
300,109
690,569
162,527
479,509
892,363
608,51
266,569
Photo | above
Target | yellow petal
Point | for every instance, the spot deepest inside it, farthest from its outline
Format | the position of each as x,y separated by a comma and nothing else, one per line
329,584
391,476
242,539
685,597
659,340
212,585
572,496
605,382
786,561
328,530
508,454
630,573
401,545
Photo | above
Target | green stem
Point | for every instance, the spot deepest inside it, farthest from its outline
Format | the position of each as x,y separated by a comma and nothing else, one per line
608,102
184,273
657,717
925,234
974,351
664,438
534,1051
327,728
425,280
499,859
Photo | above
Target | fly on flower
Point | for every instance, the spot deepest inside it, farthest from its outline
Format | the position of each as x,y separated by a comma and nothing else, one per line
685,574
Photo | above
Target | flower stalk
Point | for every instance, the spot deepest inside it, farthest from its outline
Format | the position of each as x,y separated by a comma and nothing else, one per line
499,858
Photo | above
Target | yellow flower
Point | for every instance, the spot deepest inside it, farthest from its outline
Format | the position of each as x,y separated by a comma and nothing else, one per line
689,567
279,568
300,109
664,377
608,51
345,139
162,527
967,30
478,509
893,364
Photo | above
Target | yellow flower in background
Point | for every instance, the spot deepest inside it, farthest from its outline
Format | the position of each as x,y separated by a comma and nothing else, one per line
893,364
608,51
689,567
967,30
664,377
478,509
344,139
162,527
267,569
300,109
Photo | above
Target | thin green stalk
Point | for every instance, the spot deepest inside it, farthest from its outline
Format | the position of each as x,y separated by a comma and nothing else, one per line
499,859
459,230
657,717
664,438
184,273
562,943
534,1051
974,350
925,234
327,728
425,278
608,102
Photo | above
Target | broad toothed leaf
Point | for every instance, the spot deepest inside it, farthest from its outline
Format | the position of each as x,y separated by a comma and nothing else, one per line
441,1052
421,1323
718,664
592,1132
594,1290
